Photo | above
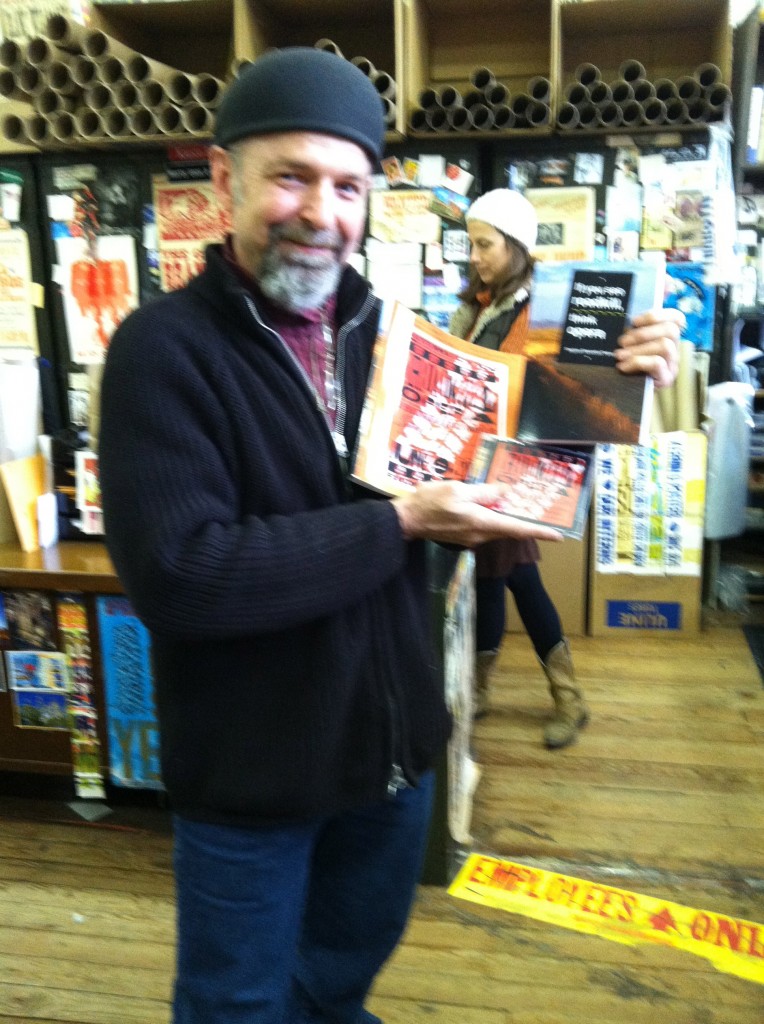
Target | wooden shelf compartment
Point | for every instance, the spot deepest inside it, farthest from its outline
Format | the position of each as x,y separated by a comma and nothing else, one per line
670,40
446,40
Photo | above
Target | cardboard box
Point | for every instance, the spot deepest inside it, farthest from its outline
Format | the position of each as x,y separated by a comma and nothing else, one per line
624,602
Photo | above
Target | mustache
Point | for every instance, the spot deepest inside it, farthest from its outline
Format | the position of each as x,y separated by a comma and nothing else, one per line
300,235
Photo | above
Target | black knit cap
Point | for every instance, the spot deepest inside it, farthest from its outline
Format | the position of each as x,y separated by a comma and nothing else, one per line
300,89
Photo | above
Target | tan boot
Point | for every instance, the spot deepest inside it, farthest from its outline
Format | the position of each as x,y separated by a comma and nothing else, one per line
570,711
484,665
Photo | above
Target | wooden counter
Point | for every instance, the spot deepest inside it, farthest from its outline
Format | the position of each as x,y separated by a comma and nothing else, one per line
82,566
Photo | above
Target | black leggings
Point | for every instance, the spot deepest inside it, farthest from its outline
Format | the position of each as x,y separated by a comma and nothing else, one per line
534,606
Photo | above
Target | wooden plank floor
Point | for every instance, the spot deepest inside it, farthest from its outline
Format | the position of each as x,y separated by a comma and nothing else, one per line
663,795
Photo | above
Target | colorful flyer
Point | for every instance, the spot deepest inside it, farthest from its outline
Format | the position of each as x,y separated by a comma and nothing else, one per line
188,219
18,328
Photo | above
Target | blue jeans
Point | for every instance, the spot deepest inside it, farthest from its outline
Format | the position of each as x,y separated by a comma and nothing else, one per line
290,924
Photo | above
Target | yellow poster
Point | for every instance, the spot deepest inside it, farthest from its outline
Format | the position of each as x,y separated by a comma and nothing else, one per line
403,216
566,222
730,944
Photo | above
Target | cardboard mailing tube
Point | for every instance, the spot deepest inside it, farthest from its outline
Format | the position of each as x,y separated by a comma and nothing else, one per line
138,68
719,97
388,108
142,123
460,119
653,111
59,77
99,47
151,93
98,96
665,89
125,95
537,114
621,90
698,110
13,128
587,73
329,46
708,74
472,97
115,123
49,101
196,119
365,65
520,103
37,129
65,32
587,113
207,90
609,114
436,118
385,85
418,120
577,93
482,117
428,98
110,71
450,97
11,55
631,70
482,78
42,52
89,124
568,116
687,87
497,95
600,92
676,110
503,116
540,88
168,119
10,88
30,79
178,87
83,70
644,90
62,126
631,113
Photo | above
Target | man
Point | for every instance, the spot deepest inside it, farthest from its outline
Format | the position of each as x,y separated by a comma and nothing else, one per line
299,710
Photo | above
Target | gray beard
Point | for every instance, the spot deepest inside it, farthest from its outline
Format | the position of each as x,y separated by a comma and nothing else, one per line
303,282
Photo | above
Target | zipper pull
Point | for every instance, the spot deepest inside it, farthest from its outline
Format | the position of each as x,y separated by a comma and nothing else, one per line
340,444
397,780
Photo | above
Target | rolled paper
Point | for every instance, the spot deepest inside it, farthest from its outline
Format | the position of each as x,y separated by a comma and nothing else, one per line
609,114
621,90
11,55
196,119
644,90
482,116
632,70
653,111
168,118
587,73
207,90
577,93
497,95
83,70
450,97
111,70
687,87
365,65
708,74
600,92
65,32
418,120
665,89
385,85
329,46
631,113
540,88
436,118
482,78
503,116
428,98
568,116
460,118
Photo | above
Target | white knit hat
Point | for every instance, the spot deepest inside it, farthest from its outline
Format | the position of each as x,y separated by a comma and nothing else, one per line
508,212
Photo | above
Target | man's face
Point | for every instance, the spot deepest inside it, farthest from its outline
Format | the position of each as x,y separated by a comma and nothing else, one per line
298,210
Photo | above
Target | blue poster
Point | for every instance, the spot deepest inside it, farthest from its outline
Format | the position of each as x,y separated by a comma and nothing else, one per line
687,291
129,693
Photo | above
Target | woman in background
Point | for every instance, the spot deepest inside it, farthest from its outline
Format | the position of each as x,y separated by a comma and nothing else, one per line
493,314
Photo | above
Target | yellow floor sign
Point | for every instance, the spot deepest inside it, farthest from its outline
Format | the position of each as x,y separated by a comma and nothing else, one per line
733,946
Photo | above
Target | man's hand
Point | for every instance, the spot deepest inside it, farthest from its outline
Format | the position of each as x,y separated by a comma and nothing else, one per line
651,346
457,513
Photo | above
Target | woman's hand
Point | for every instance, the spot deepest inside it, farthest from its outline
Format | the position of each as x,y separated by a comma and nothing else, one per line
651,346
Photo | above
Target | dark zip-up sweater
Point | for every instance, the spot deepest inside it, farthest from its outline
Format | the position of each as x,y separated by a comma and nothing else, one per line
290,621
